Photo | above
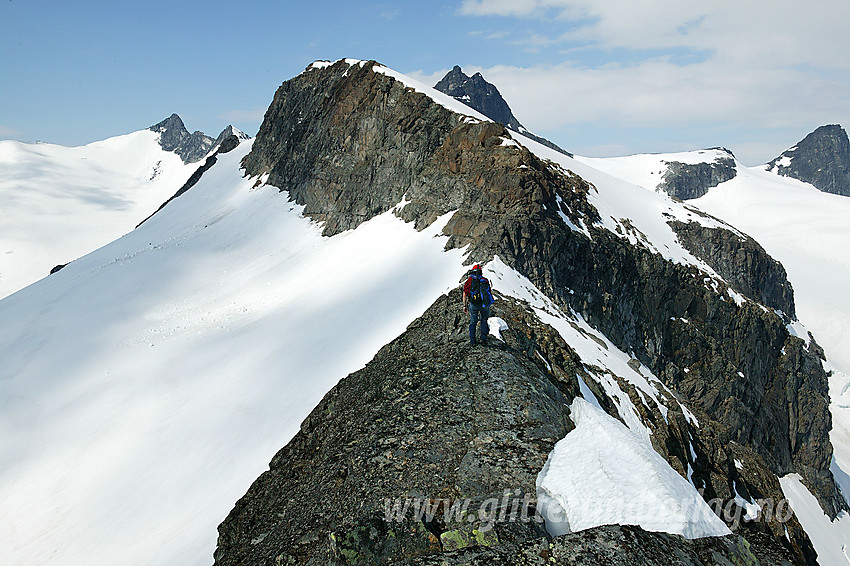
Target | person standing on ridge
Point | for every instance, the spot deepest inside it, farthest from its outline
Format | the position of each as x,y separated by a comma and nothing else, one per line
477,298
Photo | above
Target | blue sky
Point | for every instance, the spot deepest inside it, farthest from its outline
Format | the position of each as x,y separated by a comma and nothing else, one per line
599,77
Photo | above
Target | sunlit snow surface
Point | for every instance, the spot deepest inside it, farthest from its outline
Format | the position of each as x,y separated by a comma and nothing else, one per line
601,473
145,386
58,203
647,170
831,539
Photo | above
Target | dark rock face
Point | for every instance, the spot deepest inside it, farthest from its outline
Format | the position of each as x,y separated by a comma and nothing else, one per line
822,159
742,262
349,143
175,137
483,96
687,181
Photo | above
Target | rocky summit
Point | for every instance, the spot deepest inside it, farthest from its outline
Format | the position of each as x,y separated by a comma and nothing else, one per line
821,159
175,137
434,421
483,96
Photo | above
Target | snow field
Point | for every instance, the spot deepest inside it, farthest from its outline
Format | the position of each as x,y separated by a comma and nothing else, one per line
60,203
831,539
647,170
602,473
146,385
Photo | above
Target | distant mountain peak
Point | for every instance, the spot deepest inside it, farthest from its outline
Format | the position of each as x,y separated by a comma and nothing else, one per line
175,137
821,159
230,132
483,96
171,124
479,94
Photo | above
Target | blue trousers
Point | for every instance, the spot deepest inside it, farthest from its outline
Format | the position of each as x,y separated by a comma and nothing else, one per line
478,315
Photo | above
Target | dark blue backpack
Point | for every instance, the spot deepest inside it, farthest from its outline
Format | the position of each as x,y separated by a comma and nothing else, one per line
479,291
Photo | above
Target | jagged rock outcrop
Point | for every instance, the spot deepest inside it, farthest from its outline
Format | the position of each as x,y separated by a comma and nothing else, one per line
175,137
741,261
349,143
433,421
483,96
822,159
692,180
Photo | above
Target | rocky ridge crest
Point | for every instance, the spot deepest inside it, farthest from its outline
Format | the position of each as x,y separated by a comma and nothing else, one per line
433,422
190,147
349,143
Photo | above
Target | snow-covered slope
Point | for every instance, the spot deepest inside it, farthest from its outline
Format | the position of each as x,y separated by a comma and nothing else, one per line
58,203
147,384
808,232
133,377
601,465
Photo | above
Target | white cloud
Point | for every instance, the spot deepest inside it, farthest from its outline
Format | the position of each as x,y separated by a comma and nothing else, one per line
746,65
390,14
660,94
777,33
